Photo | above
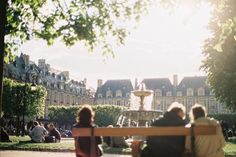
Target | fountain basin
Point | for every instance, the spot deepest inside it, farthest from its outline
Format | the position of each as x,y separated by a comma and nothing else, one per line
143,115
142,93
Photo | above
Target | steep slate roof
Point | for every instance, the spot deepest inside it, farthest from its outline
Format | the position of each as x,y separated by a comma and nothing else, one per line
19,69
195,83
124,85
162,84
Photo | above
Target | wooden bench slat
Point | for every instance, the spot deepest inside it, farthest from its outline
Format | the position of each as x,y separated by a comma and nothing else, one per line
143,131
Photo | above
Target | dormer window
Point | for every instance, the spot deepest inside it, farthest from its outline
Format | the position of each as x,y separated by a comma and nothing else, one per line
109,94
201,92
127,95
100,95
158,92
118,93
53,75
168,93
189,92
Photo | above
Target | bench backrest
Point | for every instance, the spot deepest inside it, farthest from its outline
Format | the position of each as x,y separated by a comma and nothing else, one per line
143,131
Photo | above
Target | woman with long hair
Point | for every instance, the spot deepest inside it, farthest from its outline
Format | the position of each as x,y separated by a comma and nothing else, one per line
87,146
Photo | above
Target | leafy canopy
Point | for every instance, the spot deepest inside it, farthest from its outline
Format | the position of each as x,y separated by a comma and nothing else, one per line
95,23
220,52
19,98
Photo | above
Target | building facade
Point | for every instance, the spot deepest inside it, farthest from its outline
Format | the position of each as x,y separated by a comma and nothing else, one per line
114,92
61,90
189,91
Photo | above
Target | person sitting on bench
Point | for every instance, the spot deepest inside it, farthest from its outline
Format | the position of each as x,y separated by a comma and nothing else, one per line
167,146
205,146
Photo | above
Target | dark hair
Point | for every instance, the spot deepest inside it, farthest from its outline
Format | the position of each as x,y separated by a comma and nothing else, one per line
51,125
85,115
197,111
176,107
35,123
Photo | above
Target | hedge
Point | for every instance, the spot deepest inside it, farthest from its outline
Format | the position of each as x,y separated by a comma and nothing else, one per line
104,114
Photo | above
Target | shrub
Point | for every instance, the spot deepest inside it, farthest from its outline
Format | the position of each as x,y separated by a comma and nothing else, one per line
66,115
230,119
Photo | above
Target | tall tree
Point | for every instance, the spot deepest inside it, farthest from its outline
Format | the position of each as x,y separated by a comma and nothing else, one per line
220,52
3,4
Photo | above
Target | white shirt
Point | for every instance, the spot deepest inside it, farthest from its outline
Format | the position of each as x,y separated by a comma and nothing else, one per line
38,133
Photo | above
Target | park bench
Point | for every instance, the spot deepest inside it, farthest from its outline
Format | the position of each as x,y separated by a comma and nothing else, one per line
144,131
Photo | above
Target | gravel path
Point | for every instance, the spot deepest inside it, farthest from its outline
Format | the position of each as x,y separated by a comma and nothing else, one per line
14,153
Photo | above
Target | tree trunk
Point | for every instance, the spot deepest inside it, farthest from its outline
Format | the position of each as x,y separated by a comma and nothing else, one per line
3,4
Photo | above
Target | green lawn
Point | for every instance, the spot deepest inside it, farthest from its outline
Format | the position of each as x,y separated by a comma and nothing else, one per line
230,148
19,143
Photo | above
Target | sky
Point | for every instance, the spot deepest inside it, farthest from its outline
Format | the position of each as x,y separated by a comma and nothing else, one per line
164,43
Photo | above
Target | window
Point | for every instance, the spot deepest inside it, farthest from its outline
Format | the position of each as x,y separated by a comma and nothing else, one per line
179,93
118,103
201,92
211,92
158,92
68,99
118,93
189,92
109,94
127,95
62,100
55,96
168,93
100,95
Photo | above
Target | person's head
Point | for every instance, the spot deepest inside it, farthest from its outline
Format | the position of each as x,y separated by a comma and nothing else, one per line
36,123
178,108
51,126
85,115
110,126
197,111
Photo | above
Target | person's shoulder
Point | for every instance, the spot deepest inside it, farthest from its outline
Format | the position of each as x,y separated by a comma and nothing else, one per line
158,121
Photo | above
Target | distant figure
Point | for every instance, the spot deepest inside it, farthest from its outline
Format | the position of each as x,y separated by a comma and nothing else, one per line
225,129
38,133
53,135
87,146
167,146
119,141
206,146
4,137
234,129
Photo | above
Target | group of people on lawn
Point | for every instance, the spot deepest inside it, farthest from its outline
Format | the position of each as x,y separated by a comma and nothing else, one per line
160,146
39,134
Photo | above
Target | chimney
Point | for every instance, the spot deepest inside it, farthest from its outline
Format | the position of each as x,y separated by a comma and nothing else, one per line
175,80
41,63
66,74
136,83
85,81
25,58
99,83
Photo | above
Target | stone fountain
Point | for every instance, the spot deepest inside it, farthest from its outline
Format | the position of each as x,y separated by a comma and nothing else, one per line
141,116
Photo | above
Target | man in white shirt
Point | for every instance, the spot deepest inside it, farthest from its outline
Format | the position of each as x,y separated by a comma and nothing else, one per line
38,133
